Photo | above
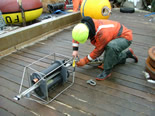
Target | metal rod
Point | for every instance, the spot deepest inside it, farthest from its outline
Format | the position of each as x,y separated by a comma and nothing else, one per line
21,84
27,91
22,12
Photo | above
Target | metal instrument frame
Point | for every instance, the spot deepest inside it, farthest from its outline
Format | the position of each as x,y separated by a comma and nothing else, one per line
28,93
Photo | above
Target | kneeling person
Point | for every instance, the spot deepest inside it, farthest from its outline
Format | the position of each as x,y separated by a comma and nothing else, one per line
107,36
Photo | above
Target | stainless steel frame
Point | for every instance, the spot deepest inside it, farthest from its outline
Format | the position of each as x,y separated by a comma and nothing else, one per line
29,92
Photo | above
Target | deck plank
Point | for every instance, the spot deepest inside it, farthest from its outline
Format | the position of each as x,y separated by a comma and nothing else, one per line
13,107
135,80
4,112
46,110
122,81
125,93
103,100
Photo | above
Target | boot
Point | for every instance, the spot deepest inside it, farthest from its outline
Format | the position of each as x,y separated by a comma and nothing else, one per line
105,74
130,54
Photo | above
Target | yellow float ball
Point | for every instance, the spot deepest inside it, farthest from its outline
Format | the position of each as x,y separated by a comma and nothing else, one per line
97,9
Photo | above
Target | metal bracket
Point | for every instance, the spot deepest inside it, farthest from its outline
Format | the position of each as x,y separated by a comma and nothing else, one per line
147,76
91,82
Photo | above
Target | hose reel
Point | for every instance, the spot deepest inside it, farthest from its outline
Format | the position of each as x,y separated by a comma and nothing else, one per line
41,82
51,78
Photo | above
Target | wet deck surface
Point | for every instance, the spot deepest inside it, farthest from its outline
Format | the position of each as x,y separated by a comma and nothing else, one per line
125,93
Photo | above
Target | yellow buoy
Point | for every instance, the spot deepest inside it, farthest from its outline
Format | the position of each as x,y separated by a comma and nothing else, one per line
13,18
18,11
97,9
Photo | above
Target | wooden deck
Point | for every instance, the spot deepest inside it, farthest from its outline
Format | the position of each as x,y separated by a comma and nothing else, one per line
125,93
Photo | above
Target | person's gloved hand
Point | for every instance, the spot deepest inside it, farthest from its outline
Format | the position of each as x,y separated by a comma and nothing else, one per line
82,61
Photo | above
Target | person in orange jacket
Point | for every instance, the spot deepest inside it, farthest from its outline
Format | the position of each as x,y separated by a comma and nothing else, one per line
76,4
107,36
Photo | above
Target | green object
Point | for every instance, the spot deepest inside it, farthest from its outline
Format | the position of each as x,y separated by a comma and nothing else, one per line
114,53
153,6
80,33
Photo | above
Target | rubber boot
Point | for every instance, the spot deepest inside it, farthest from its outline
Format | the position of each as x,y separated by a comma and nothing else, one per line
105,74
130,54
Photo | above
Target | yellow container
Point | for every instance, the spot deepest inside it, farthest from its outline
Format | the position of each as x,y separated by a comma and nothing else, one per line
97,9
13,18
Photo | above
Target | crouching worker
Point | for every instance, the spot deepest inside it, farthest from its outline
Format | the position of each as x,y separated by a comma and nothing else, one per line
76,4
107,36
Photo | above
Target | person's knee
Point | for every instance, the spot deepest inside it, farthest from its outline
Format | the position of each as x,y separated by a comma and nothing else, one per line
112,46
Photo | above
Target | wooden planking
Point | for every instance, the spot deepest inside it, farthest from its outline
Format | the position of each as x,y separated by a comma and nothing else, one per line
98,96
32,106
46,110
68,45
88,91
58,106
136,20
126,92
13,107
131,85
4,112
10,70
121,78
132,91
135,67
140,62
135,80
110,97
11,65
123,81
125,69
118,75
143,63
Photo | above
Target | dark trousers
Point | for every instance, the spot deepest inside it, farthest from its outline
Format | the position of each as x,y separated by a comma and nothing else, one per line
114,52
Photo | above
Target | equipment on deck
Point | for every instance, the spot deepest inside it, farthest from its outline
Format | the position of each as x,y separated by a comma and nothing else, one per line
96,9
91,82
44,81
20,11
149,72
55,7
97,62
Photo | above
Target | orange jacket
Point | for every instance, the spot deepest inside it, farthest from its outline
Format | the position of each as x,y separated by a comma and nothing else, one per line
106,30
76,4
